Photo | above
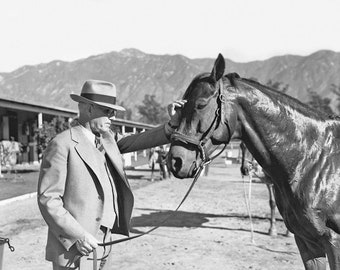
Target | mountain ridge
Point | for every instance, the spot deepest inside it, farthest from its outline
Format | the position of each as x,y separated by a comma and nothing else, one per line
136,74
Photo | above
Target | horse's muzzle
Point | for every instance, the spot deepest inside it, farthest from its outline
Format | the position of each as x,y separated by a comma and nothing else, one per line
182,166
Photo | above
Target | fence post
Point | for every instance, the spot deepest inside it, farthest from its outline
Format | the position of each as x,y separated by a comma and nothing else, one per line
3,241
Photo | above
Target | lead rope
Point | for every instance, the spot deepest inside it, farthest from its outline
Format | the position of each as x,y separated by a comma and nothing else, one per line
197,175
104,244
162,222
247,201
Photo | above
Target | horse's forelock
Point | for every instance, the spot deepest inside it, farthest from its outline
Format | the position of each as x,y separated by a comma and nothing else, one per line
204,77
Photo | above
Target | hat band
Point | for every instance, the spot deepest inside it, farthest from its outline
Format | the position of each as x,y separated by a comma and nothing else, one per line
100,98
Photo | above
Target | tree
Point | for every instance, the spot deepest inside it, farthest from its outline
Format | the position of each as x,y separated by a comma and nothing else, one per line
278,86
336,90
319,103
48,131
124,115
151,111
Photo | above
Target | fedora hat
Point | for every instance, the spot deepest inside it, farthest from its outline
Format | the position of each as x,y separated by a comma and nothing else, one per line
100,93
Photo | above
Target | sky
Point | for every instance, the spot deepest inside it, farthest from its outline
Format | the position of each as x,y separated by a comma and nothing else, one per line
40,31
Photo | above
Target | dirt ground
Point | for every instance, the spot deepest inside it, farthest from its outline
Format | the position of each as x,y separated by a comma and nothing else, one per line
211,230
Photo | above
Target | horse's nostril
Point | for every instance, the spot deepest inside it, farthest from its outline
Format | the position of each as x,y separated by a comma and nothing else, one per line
193,169
176,164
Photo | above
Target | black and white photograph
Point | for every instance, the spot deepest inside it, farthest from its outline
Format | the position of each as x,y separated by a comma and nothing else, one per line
169,135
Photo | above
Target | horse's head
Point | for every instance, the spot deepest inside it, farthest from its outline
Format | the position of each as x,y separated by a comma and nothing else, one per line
206,122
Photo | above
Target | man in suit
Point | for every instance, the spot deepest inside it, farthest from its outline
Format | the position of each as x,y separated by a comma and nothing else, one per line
83,193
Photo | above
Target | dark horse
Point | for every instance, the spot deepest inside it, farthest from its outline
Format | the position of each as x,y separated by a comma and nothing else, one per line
297,146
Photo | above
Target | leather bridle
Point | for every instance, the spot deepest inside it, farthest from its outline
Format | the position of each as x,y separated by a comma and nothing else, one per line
201,143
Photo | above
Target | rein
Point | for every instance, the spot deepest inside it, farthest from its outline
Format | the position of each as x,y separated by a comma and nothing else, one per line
197,175
104,244
163,221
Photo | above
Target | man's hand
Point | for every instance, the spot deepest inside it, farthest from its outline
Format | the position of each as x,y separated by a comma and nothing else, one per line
86,245
174,111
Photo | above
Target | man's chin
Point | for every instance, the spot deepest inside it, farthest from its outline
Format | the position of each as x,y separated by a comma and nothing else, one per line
104,129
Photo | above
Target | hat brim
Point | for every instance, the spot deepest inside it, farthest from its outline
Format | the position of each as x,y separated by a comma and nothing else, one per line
78,98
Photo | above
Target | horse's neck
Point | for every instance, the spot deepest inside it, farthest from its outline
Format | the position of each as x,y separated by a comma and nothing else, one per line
279,137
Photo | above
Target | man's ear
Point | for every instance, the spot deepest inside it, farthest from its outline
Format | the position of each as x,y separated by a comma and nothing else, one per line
90,108
86,109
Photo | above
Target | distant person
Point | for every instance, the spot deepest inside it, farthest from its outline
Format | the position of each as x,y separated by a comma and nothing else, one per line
167,162
14,151
1,158
83,193
162,161
153,157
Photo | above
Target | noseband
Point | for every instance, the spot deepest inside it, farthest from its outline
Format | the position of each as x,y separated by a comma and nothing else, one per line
201,143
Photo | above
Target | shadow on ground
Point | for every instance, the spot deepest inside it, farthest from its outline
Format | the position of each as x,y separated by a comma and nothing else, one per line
182,219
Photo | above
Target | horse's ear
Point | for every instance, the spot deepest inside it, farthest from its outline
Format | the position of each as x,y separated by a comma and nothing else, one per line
218,69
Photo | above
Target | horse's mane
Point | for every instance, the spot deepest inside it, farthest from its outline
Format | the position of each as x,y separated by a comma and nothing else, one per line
282,98
277,96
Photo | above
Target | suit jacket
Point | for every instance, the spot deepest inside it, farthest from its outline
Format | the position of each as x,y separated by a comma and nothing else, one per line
70,194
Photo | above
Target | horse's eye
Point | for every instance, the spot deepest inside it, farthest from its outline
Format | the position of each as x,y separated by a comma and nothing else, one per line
201,106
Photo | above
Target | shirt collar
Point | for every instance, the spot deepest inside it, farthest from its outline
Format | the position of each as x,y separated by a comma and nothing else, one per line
88,134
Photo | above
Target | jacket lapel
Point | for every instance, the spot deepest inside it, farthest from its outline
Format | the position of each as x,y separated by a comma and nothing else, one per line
113,152
86,151
89,153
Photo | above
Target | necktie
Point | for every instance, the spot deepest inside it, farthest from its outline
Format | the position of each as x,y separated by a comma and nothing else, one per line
99,144
101,149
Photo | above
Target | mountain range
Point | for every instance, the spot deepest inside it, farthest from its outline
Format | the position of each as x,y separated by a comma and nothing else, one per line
136,74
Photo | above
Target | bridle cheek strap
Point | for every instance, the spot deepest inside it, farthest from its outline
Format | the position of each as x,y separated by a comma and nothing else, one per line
200,144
